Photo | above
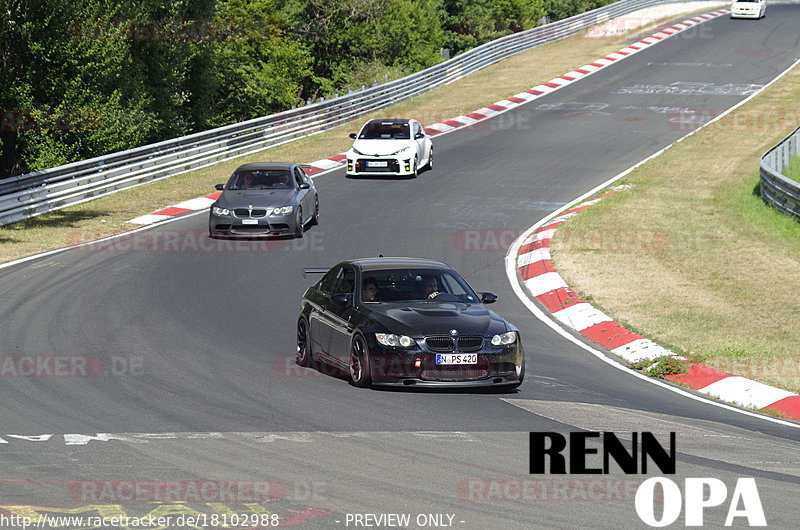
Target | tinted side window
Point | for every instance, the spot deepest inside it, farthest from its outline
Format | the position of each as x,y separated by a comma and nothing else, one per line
299,177
328,282
348,282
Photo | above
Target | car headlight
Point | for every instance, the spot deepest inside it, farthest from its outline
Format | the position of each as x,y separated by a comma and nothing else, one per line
280,211
221,211
504,339
356,151
390,339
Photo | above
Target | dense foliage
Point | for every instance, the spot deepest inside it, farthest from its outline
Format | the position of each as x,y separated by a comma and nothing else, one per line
82,78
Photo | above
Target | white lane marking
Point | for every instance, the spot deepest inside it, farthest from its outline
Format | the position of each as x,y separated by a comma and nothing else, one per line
254,437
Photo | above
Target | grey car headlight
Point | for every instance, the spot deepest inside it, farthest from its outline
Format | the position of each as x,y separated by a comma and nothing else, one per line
220,211
283,210
504,339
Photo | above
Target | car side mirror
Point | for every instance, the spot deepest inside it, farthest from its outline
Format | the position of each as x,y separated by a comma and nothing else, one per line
219,187
353,136
305,185
419,135
342,299
488,298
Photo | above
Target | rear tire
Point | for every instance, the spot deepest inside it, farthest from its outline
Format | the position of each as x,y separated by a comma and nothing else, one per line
359,363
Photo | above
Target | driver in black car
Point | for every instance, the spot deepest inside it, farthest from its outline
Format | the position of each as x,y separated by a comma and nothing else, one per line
369,291
430,287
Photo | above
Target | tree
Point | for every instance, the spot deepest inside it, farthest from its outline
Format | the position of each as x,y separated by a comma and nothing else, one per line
470,23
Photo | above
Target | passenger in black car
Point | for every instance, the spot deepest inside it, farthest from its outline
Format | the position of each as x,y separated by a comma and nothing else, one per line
369,290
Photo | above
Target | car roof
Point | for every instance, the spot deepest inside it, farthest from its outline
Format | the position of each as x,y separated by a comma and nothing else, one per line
265,165
369,264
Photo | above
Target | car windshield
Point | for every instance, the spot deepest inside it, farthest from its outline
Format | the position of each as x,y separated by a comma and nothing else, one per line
260,179
418,285
385,130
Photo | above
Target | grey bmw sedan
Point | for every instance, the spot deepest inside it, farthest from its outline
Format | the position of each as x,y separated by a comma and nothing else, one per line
264,199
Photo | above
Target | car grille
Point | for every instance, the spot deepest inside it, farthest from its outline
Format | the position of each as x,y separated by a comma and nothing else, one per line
245,213
440,344
470,343
443,343
392,166
457,372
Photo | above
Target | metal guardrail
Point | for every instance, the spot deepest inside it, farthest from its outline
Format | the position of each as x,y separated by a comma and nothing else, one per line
36,193
778,190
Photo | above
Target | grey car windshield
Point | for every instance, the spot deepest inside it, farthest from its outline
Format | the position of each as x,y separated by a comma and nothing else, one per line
385,130
260,179
440,285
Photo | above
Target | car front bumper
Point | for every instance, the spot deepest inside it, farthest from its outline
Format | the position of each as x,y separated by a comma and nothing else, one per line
269,226
380,166
496,366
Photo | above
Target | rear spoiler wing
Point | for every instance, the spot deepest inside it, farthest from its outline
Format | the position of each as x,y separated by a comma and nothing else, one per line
315,270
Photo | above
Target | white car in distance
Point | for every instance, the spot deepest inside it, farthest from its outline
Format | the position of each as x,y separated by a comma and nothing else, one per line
390,147
749,9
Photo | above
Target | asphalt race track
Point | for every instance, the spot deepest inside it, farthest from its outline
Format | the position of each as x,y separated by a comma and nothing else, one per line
183,348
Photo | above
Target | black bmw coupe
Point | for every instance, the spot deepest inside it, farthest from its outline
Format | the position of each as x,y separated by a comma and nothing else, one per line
406,322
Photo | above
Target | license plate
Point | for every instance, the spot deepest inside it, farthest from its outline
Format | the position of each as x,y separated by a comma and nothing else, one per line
249,221
456,358
380,163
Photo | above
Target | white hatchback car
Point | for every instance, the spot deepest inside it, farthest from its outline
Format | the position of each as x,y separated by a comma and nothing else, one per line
390,147
749,9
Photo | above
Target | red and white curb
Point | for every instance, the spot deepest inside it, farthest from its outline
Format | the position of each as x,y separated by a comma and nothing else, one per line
536,273
332,163
192,205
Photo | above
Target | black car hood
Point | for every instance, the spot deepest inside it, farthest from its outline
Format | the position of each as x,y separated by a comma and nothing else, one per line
432,318
258,198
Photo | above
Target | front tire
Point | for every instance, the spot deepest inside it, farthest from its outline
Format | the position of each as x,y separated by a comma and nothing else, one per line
415,174
303,344
298,226
359,363
429,165
315,218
